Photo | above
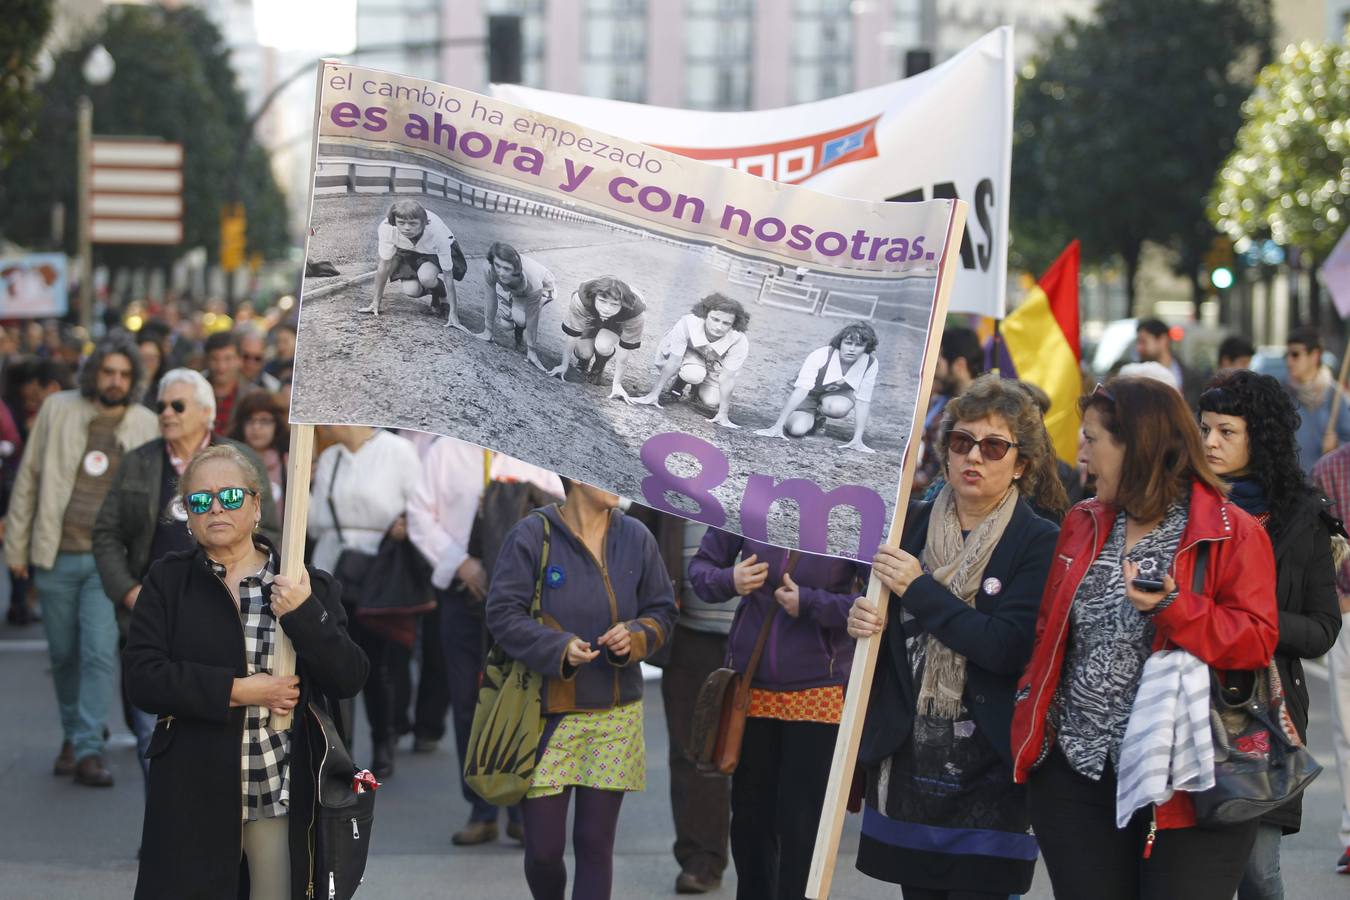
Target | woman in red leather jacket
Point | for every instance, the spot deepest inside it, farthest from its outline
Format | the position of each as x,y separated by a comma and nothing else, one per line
1157,502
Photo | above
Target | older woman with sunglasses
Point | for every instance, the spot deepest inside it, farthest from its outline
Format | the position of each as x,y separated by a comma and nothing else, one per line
944,818
143,518
1158,503
225,781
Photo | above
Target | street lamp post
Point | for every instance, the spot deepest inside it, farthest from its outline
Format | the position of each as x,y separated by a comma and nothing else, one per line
98,70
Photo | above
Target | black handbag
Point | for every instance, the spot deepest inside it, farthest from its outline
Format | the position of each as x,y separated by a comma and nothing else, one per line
345,814
396,580
1260,762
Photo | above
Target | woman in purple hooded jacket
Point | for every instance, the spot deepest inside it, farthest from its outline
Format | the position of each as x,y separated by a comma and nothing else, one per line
796,697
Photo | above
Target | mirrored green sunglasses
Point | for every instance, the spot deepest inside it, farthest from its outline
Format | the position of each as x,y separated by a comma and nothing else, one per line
230,498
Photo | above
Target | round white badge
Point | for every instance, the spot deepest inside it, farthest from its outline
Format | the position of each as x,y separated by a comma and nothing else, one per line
95,463
177,510
992,586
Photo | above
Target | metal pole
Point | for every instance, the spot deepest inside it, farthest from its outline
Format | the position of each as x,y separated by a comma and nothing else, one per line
84,109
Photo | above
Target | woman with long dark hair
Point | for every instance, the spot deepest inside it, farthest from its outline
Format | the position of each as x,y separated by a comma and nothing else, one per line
1248,423
1158,502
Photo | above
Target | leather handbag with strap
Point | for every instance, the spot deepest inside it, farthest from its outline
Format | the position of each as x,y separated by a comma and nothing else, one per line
346,810
1260,763
723,705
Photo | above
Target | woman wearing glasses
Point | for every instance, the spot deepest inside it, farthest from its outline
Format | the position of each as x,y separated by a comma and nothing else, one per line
1158,502
224,780
143,518
943,817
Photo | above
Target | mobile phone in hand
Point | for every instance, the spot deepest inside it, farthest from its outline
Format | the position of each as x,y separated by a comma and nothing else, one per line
1147,585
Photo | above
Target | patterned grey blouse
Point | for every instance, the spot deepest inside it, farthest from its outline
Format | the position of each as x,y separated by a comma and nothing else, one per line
1109,641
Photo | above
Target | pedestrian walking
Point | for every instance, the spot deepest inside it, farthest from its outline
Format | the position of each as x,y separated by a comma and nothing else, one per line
1157,502
75,446
261,426
1247,422
944,818
796,698
225,782
1316,395
606,605
441,514
361,487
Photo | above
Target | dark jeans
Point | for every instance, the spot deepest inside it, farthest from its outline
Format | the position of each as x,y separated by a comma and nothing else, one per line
1088,858
462,636
701,804
433,686
387,658
776,797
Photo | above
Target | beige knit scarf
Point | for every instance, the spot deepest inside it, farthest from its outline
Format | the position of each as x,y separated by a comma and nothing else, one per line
957,564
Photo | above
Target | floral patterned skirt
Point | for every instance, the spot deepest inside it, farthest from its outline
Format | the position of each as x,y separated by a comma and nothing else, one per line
602,750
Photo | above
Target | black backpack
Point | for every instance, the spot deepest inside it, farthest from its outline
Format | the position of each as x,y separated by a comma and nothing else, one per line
345,817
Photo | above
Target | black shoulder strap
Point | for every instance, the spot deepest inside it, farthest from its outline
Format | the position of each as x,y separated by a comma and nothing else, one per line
1201,565
332,508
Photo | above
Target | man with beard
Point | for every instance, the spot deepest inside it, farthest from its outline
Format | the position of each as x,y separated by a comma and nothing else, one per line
960,361
76,444
1153,343
1316,396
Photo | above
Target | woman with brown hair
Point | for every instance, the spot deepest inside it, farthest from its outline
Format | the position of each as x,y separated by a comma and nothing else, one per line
944,818
260,424
1158,503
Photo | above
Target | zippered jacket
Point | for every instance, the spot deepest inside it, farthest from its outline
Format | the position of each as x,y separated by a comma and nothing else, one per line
1231,624
583,597
812,650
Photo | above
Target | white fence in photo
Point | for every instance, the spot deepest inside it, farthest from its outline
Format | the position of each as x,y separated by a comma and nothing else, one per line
794,295
849,305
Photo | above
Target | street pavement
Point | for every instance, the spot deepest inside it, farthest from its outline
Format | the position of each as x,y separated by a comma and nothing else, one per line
62,841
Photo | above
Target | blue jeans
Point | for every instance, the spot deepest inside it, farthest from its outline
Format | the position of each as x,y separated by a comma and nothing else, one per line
1261,880
82,641
462,639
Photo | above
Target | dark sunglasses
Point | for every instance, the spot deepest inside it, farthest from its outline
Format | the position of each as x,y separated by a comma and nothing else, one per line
991,448
177,406
252,357
231,498
1101,391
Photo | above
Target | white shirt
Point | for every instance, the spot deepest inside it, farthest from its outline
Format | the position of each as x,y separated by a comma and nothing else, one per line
435,240
444,505
730,349
372,490
861,376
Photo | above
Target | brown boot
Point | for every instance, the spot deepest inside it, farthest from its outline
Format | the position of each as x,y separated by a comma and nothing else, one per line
475,833
65,761
91,772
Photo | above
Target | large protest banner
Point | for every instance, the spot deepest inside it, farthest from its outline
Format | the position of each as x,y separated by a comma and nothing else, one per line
768,342
33,286
946,132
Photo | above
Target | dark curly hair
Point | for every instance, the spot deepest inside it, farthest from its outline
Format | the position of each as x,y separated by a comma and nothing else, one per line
119,343
1263,403
612,287
859,331
722,303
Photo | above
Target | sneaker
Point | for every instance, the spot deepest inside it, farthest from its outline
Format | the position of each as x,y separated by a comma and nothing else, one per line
475,833
1343,864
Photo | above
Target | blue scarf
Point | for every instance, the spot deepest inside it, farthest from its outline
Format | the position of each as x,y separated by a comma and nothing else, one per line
1246,492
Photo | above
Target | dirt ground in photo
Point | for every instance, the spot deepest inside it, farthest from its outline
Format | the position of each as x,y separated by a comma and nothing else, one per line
405,369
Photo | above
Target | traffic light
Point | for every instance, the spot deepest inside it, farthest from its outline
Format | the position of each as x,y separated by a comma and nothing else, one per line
505,50
1221,278
233,233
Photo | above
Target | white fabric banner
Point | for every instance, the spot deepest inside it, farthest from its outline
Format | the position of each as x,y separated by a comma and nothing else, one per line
945,133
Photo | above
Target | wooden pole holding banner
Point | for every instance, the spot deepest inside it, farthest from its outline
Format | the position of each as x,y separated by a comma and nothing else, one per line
1329,435
293,540
301,458
865,655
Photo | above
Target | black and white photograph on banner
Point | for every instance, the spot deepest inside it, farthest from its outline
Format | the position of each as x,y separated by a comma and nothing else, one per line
722,384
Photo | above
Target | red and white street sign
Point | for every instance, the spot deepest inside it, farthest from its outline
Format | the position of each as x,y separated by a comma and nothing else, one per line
135,191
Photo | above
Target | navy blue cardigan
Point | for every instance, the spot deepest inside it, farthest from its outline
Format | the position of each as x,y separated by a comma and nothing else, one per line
995,635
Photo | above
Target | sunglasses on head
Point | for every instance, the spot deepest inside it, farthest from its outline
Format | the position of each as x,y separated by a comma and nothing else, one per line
177,406
991,448
1101,391
231,498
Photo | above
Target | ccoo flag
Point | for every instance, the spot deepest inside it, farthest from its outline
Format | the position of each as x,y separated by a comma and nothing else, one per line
1042,339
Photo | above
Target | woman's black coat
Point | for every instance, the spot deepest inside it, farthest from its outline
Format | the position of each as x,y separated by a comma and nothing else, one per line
1310,616
995,635
184,650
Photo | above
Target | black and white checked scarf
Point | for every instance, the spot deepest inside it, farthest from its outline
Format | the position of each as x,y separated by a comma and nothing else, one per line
266,771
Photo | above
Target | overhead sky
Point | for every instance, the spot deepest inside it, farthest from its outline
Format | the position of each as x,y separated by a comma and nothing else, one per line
327,26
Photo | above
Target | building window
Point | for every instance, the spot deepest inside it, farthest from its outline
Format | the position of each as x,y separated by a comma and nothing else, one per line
532,31
822,49
614,51
719,50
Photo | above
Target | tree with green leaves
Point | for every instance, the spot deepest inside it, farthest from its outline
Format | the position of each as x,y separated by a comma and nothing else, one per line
1288,177
26,23
173,81
1121,122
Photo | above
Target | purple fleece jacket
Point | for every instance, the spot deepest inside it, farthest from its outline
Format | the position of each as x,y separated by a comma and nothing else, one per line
811,650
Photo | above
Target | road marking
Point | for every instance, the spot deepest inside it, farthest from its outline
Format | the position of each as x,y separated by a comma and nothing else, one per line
23,646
